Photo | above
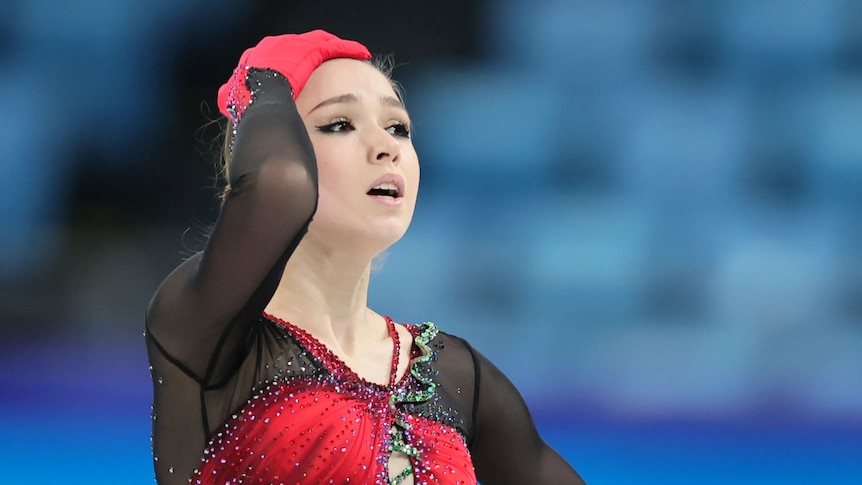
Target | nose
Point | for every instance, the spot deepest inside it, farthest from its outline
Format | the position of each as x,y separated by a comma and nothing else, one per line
383,146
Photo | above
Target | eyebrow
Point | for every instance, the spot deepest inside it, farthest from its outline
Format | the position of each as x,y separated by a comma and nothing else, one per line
386,100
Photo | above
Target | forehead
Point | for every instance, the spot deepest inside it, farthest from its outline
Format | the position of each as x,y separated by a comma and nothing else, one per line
341,76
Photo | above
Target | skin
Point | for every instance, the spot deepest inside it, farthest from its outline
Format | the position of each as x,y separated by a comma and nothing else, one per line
356,139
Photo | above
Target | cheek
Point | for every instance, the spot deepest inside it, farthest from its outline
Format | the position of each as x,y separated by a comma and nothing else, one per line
411,168
416,176
329,171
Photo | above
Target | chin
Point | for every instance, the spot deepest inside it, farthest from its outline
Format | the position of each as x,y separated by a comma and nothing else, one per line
386,238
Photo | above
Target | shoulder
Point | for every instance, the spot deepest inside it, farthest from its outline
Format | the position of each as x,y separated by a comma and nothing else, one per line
456,357
428,334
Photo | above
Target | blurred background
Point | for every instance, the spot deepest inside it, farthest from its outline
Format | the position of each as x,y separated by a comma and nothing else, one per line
646,212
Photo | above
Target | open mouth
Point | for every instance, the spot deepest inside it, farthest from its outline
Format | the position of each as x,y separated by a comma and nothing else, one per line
385,190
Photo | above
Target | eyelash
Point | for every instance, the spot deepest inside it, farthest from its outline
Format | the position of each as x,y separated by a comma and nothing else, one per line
336,127
401,130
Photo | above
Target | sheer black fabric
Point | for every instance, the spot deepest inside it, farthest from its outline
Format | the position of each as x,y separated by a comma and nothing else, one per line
211,349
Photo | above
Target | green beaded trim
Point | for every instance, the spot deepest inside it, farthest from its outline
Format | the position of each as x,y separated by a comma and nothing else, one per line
408,470
398,444
427,333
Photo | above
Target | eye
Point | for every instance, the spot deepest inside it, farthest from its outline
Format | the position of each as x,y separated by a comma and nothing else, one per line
340,126
399,129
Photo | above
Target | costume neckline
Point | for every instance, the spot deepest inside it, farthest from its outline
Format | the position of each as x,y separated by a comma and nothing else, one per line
335,364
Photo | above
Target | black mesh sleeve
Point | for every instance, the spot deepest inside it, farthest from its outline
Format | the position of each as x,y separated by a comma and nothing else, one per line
506,447
201,323
273,176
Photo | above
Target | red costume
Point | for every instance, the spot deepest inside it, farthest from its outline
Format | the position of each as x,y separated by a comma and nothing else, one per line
339,427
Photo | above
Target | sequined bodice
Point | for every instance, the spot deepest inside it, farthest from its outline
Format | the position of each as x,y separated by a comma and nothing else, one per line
336,427
309,418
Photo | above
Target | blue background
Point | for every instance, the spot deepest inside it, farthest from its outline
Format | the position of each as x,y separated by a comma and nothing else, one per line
648,213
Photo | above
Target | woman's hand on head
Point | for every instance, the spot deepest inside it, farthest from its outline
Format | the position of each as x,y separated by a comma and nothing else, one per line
294,56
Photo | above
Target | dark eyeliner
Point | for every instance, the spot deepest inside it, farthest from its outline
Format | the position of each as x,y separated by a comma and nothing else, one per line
340,126
401,130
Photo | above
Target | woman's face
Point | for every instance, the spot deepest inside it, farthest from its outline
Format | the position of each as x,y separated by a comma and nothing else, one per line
367,166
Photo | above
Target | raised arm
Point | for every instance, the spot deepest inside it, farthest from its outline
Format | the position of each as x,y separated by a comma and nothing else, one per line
273,195
212,299
506,448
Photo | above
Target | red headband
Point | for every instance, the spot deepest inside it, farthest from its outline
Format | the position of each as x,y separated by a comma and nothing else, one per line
294,56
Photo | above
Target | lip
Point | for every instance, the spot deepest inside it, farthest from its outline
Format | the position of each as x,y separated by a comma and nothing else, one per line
389,178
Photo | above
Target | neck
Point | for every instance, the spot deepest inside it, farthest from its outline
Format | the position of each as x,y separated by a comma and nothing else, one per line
326,293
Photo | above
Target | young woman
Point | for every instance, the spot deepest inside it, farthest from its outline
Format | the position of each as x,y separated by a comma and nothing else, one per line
268,366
